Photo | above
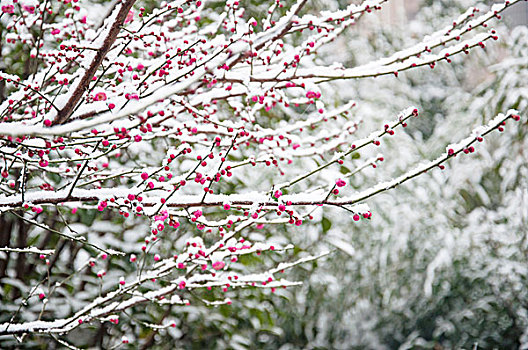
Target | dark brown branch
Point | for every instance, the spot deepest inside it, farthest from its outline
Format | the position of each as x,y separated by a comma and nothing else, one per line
66,111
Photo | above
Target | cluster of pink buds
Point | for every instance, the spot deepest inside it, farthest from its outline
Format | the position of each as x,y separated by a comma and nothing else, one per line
313,94
102,205
8,9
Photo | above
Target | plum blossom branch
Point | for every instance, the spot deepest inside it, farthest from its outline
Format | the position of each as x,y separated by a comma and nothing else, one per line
121,11
185,130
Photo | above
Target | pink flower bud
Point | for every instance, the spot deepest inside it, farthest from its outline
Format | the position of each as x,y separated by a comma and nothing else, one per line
129,17
340,183
218,265
100,96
